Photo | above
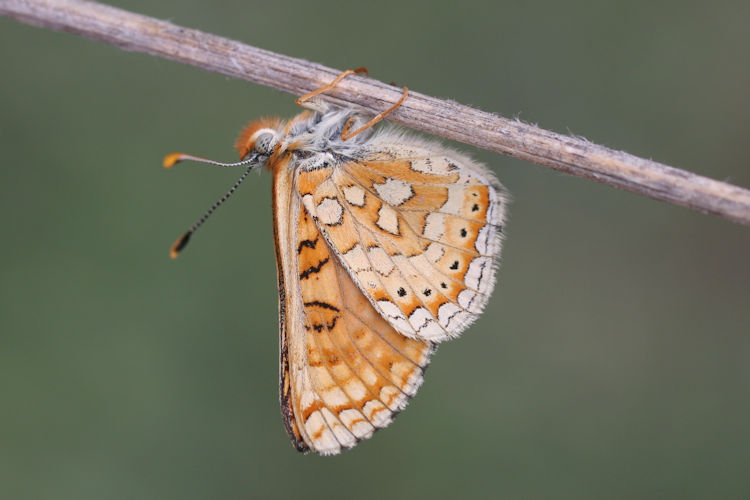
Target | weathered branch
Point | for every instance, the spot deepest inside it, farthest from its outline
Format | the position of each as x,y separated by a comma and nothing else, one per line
439,117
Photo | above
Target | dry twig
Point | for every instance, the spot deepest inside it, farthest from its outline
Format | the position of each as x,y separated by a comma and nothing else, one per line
439,117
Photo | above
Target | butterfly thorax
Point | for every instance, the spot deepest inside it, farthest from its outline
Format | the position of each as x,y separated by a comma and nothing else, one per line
309,138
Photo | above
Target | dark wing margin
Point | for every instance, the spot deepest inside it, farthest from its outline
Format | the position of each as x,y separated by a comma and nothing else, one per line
285,381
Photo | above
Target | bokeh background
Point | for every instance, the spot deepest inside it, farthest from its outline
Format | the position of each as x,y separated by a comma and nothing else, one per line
613,360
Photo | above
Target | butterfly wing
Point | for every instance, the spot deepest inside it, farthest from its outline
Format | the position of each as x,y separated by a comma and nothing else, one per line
417,226
345,371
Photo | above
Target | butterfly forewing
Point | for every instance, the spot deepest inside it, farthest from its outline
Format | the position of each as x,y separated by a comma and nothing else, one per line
346,371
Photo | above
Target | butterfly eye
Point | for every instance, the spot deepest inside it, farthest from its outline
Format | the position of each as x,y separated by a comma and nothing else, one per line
264,143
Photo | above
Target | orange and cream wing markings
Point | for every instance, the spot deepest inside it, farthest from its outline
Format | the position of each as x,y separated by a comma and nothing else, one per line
386,244
418,234
348,372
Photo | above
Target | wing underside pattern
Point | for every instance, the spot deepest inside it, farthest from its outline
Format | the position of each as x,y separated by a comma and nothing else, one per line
380,258
348,371
418,236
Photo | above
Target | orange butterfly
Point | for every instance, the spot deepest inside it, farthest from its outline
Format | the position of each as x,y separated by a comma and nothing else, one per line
386,245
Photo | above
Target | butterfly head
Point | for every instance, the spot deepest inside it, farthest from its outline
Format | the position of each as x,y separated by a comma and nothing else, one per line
256,143
259,138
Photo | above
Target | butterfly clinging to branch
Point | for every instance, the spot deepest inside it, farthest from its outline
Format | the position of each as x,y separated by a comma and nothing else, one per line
386,245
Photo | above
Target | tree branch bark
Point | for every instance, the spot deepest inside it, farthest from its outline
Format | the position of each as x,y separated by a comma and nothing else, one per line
447,119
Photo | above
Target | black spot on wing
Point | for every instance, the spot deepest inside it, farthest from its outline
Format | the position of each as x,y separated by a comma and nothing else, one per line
313,269
323,305
307,244
319,327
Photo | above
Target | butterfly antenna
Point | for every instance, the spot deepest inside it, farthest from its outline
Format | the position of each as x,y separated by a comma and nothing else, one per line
174,158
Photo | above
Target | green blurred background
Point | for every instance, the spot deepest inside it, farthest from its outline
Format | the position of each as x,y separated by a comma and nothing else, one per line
613,360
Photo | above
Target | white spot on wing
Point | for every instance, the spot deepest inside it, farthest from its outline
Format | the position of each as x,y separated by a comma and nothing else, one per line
355,195
356,259
340,431
396,400
329,211
447,314
434,252
376,413
434,226
333,396
425,325
467,300
413,383
477,276
309,204
381,261
395,317
456,196
307,398
355,389
356,423
494,211
433,165
483,239
326,443
394,191
419,318
387,220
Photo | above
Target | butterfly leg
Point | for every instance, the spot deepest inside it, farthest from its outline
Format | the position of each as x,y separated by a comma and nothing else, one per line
303,99
345,134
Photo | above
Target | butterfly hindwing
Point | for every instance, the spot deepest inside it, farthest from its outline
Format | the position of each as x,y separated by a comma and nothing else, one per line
418,227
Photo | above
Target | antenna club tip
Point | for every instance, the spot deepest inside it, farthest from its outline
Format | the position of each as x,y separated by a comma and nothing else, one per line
172,159
178,245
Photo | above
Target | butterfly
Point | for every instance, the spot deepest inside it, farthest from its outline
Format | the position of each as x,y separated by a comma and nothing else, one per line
386,245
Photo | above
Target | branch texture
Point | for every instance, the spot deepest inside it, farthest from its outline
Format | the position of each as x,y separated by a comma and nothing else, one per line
447,119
